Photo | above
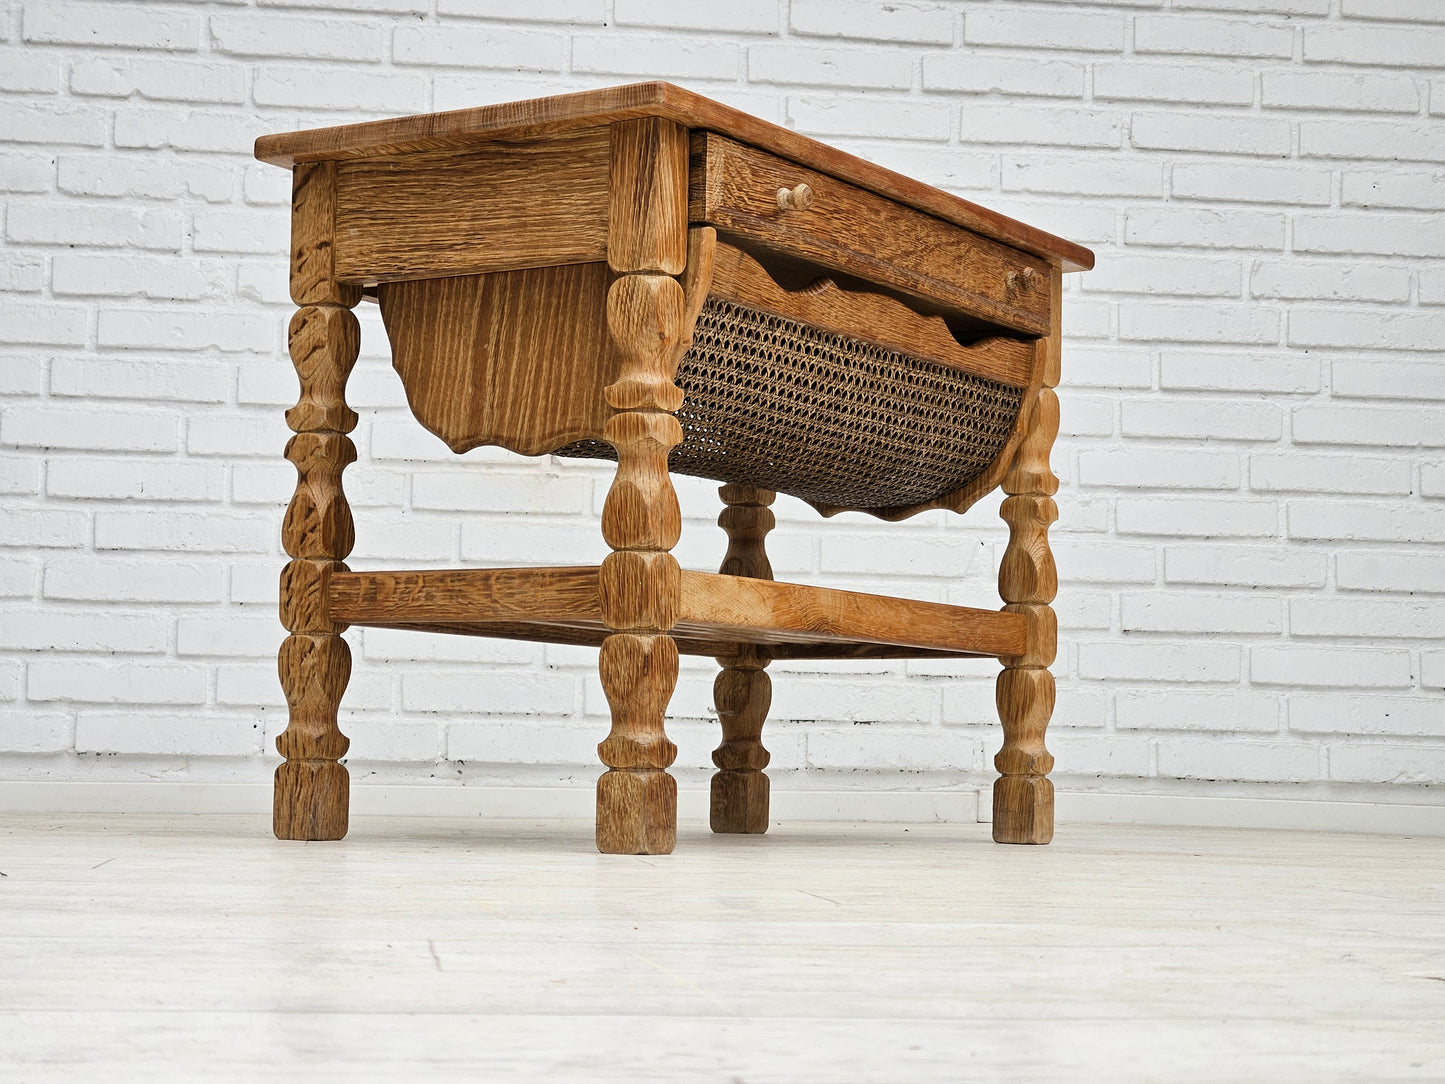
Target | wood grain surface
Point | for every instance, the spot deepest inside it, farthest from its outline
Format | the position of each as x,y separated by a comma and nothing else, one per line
1023,796
516,359
742,690
867,315
851,230
568,112
311,789
490,207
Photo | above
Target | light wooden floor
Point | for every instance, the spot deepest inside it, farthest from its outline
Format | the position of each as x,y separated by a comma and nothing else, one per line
186,947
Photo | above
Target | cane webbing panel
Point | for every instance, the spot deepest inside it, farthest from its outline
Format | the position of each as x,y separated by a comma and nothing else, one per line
777,404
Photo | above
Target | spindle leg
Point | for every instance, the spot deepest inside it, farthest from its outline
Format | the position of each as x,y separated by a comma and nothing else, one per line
311,788
743,690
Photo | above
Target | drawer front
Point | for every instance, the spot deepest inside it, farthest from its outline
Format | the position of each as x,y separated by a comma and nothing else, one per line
738,189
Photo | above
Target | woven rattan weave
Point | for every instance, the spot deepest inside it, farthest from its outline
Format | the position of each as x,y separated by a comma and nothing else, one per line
773,403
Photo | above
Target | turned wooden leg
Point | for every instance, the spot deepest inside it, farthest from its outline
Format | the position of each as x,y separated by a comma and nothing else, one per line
639,580
1023,797
743,690
311,788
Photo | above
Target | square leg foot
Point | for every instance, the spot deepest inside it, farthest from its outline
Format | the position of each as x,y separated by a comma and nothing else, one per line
1023,809
739,803
310,800
636,812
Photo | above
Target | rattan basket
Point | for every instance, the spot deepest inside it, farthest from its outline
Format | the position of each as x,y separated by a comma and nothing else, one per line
836,421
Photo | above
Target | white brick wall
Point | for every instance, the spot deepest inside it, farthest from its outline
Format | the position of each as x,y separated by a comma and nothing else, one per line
1253,449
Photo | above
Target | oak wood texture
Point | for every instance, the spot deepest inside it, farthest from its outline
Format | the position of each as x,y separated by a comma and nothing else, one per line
638,582
1023,796
742,692
849,229
516,359
868,315
532,323
716,611
432,214
311,787
647,205
563,113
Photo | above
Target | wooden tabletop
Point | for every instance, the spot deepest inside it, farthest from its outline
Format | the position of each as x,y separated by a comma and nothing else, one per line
546,116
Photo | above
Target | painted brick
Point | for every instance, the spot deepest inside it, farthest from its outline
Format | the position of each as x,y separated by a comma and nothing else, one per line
22,273
1152,468
1296,280
1360,762
1174,82
193,382
29,629
1373,521
1274,762
1068,173
106,227
108,24
1219,517
1385,235
1342,713
1388,46
546,11
97,579
165,278
323,88
169,80
1388,379
1196,710
884,117
489,692
186,130
1204,227
1403,426
1040,126
44,528
789,63
1304,473
526,493
1094,755
1340,91
1255,183
520,742
1099,562
1224,133
1044,28
1432,676
741,16
21,172
48,427
1365,570
1159,661
1203,371
166,735
186,329
840,701
1384,139
646,55
1341,667
21,73
930,23
1373,618
1432,479
1209,36
1196,322
194,532
270,35
45,324
1195,275
33,731
1414,189
1201,419
134,479
1169,611
1424,11
1253,7
981,73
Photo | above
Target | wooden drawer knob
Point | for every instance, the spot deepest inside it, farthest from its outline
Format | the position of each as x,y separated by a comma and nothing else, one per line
1026,279
799,197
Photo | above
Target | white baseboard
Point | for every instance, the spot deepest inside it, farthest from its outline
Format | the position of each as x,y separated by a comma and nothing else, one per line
965,806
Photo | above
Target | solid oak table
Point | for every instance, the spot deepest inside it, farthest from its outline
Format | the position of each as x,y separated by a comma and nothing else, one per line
645,275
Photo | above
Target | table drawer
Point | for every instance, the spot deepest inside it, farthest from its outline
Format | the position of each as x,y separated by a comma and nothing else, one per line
738,189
